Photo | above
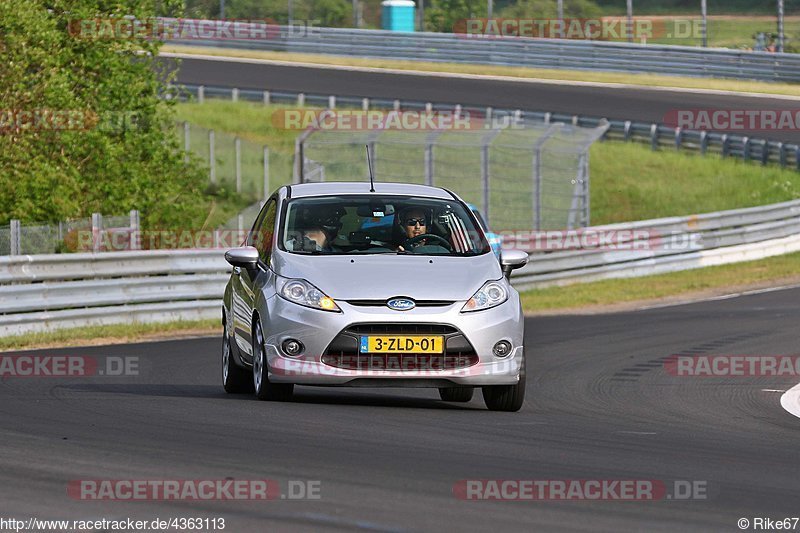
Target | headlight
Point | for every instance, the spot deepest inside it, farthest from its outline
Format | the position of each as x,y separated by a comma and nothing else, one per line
492,294
304,293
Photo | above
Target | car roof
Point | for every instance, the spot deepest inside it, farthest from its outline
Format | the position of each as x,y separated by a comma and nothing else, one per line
350,187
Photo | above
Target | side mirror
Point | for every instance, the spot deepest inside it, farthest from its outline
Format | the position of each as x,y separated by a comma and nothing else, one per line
245,257
511,260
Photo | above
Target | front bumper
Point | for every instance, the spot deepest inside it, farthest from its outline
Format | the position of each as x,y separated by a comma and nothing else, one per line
284,320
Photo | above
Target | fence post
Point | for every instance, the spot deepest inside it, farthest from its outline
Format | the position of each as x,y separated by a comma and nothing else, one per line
301,99
396,105
266,97
135,234
212,161
266,173
201,94
240,223
16,244
428,108
234,94
548,117
186,146
485,179
298,155
654,137
365,104
331,102
97,228
237,145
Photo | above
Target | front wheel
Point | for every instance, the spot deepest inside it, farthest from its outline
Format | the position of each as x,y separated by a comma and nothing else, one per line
266,390
506,397
235,379
456,394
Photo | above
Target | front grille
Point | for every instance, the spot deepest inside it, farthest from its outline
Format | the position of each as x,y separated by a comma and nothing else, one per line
343,351
382,303
400,362
400,329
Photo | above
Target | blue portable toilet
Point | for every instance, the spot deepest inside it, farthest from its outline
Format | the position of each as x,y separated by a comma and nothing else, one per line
398,15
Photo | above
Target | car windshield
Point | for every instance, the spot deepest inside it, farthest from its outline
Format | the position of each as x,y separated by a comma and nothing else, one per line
372,224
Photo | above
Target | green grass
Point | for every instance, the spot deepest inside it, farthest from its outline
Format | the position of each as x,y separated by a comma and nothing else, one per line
110,334
687,283
628,180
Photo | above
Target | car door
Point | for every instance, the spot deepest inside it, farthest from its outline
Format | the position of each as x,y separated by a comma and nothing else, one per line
245,283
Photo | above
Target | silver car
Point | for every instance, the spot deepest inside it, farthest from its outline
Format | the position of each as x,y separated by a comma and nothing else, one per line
340,285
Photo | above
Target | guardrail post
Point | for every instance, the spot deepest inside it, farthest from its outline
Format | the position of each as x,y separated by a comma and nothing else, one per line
489,112
797,157
627,130
457,111
396,105
782,154
746,148
201,94
16,244
212,161
764,152
135,242
517,116
186,146
678,135
548,117
266,173
234,94
97,228
266,98
237,145
301,99
703,142
485,179
331,102
654,137
365,104
574,120
428,108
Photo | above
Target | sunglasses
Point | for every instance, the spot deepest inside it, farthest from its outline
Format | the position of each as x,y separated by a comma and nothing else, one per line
415,221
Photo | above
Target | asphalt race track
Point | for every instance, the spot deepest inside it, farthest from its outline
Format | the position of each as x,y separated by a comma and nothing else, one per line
638,104
600,405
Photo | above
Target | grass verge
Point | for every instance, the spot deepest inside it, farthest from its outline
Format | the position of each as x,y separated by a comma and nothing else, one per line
676,286
110,334
646,80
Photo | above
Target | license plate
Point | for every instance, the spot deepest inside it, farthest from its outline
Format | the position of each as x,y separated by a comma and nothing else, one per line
402,344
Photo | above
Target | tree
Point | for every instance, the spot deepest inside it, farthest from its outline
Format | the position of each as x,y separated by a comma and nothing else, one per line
82,127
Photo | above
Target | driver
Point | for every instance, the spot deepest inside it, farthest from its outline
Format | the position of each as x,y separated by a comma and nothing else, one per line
414,222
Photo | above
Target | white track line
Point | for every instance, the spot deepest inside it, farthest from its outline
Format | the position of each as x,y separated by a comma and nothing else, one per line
791,400
544,81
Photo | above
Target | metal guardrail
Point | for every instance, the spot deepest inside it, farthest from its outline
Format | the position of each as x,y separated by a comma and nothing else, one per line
656,135
69,290
521,52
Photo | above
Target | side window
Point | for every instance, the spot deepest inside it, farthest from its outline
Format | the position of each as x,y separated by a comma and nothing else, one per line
263,230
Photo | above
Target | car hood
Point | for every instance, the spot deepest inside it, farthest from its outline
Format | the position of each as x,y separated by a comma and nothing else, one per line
368,277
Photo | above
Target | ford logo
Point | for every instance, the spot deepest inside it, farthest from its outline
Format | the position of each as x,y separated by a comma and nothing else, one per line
401,304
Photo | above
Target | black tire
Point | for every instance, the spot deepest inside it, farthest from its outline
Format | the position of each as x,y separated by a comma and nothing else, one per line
506,397
456,394
235,379
266,390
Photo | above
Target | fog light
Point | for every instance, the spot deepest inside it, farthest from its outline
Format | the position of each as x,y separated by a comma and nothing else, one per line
502,349
292,347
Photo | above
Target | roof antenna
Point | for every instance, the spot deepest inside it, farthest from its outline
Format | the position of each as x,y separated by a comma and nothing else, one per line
369,164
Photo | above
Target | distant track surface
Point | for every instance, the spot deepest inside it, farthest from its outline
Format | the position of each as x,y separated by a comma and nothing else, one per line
639,104
600,406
